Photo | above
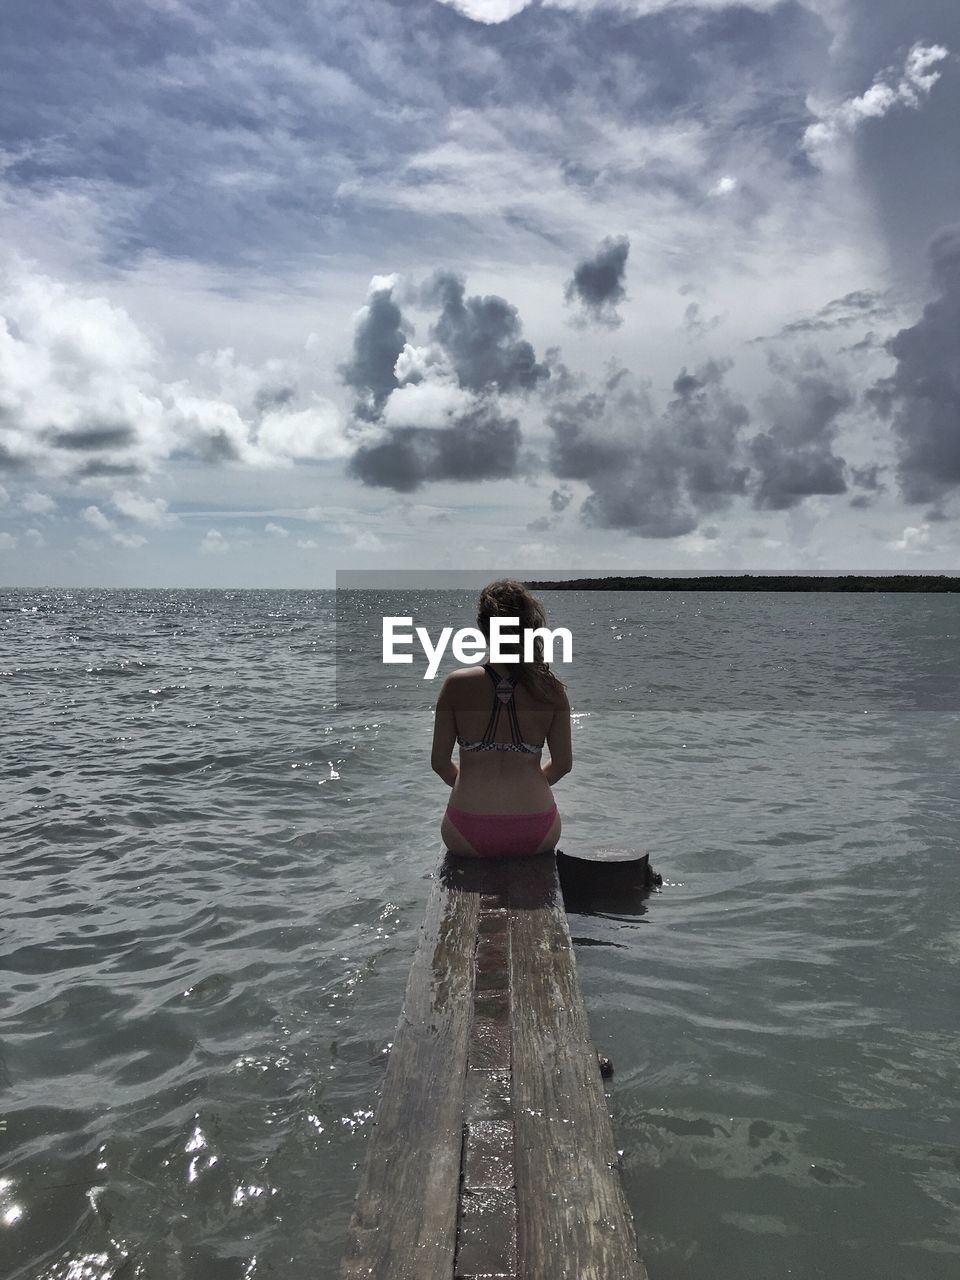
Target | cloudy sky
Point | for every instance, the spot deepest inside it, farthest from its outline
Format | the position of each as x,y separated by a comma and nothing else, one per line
545,284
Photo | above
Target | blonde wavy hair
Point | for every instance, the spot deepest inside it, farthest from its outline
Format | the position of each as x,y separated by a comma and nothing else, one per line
508,598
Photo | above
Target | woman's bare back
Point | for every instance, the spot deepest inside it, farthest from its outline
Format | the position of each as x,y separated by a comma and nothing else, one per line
507,778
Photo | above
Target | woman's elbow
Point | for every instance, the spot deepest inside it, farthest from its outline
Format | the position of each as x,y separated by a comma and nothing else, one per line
562,765
440,765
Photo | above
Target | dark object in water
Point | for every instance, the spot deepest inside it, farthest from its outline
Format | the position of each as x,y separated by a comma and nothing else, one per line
606,1066
618,880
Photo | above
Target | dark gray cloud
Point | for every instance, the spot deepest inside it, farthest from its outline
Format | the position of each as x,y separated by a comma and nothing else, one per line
97,469
476,340
794,457
869,342
858,307
481,337
481,445
922,396
658,473
379,338
696,323
787,476
598,433
94,439
867,480
268,398
868,477
597,284
703,423
216,446
10,461
563,381
653,474
560,499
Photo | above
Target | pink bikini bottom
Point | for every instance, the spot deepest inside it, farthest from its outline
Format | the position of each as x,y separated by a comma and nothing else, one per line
501,834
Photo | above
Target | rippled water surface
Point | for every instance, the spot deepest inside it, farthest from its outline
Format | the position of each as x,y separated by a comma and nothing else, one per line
213,884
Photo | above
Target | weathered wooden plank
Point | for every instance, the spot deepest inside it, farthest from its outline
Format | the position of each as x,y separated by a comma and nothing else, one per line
492,1153
573,1219
405,1219
487,1224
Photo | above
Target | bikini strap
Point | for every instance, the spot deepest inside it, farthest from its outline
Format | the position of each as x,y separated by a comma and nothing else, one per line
502,698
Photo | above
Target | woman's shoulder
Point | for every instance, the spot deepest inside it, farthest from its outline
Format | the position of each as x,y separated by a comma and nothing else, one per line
555,695
464,673
463,676
560,695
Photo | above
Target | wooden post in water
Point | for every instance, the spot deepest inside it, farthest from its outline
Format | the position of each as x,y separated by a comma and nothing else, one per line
492,1154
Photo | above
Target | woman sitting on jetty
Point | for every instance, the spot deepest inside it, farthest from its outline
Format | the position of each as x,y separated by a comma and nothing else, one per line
500,716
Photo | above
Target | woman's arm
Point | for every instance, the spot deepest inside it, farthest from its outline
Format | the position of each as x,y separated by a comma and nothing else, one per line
444,736
559,742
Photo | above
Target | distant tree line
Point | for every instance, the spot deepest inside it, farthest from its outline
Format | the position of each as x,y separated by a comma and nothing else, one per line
916,582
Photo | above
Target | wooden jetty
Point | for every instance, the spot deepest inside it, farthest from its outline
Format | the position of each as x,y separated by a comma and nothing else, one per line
492,1155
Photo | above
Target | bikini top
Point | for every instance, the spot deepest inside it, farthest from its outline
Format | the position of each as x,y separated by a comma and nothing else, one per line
503,697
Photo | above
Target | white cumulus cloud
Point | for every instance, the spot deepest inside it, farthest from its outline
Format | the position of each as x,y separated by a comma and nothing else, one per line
494,11
314,433
214,543
149,511
103,524
95,517
84,396
915,539
488,11
429,394
38,504
839,121
426,404
75,385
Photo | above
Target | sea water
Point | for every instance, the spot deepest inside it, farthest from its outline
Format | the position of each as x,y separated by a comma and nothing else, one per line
213,878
